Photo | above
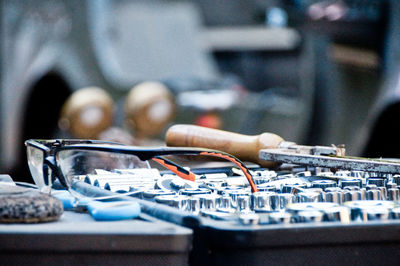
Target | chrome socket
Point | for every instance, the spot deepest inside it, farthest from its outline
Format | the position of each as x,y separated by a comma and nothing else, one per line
379,182
395,213
285,199
373,194
357,174
393,194
396,179
323,184
366,210
376,214
288,188
151,194
383,192
391,185
235,196
225,202
209,201
193,205
214,185
177,201
228,189
249,219
334,196
309,212
308,196
121,188
194,191
264,201
337,214
308,217
350,182
279,218
243,203
266,187
370,186
352,195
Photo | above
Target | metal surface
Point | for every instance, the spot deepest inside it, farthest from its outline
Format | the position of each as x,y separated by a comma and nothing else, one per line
78,239
359,164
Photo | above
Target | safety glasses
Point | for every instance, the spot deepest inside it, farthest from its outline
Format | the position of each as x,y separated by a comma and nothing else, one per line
69,160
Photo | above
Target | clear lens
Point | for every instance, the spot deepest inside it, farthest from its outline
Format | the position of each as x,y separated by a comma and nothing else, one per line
76,164
35,162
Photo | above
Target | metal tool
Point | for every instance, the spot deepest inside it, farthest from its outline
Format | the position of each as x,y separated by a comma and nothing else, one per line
365,210
194,205
243,204
309,217
152,193
268,149
323,184
249,219
337,214
279,218
194,191
295,155
334,196
174,183
264,201
350,182
308,196
209,201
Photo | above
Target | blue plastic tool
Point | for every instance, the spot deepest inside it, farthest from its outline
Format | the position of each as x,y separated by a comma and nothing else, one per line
100,211
112,211
69,202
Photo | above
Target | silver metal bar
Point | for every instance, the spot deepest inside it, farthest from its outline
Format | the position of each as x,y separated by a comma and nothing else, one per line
369,165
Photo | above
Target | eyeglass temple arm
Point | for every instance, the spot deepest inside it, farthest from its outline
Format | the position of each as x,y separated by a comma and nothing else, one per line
51,162
177,169
236,162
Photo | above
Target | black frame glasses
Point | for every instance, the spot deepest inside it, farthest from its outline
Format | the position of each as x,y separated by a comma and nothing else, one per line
51,148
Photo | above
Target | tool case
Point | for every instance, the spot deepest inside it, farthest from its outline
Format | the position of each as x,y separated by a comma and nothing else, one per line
223,243
218,240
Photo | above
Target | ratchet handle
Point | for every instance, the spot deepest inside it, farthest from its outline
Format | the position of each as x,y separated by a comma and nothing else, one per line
244,147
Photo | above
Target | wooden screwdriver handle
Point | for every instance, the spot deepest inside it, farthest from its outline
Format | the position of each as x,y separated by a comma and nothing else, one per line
244,147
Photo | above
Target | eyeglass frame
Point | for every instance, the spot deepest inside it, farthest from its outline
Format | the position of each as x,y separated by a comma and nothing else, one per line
143,153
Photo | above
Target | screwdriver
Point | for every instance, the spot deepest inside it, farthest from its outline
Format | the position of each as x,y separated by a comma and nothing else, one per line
241,146
268,149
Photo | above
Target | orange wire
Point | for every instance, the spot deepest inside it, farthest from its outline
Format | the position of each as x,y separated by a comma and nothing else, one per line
232,159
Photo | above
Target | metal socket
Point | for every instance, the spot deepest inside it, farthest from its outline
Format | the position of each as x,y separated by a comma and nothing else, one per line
308,217
249,219
264,201
323,184
194,191
350,182
243,203
393,194
379,182
279,218
209,201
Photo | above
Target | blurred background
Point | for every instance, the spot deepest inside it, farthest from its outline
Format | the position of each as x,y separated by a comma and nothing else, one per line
313,72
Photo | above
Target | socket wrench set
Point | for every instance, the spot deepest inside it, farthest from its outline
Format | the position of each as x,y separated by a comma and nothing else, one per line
283,197
300,215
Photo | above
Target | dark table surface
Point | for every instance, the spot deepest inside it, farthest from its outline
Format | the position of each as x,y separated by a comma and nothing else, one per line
76,238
